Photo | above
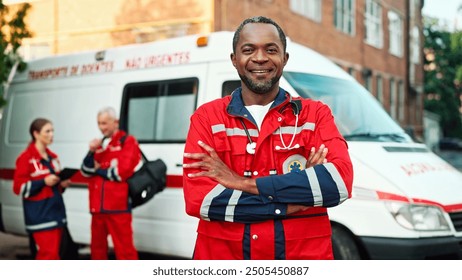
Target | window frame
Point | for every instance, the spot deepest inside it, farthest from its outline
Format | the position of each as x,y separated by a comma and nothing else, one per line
379,88
373,24
311,9
345,16
162,90
401,101
395,31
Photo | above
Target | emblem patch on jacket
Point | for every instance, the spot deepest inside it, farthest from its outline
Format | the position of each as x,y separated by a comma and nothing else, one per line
294,163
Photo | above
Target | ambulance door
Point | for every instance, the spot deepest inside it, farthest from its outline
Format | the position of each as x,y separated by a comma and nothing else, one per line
157,113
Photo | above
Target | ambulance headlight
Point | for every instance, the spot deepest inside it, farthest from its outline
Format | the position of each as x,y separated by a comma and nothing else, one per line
418,217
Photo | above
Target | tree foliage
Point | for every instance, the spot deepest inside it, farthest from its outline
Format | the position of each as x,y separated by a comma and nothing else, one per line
443,76
12,31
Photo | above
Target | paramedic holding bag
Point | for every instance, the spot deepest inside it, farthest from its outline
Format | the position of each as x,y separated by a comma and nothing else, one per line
109,164
36,181
257,172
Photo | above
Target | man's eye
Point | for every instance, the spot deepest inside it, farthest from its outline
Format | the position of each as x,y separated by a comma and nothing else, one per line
247,51
272,50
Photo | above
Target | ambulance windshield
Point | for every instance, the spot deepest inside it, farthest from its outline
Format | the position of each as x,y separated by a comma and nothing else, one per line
358,115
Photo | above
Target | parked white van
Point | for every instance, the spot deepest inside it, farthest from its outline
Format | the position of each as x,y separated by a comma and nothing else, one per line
406,204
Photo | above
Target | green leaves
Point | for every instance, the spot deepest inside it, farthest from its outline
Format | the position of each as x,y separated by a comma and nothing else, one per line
13,30
443,76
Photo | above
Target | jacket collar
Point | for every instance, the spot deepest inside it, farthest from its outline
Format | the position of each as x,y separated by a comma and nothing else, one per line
117,135
32,149
236,106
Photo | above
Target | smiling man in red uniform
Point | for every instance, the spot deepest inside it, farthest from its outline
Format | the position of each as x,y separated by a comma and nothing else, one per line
256,168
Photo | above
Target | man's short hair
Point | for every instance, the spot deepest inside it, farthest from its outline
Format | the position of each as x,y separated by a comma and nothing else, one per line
110,111
259,19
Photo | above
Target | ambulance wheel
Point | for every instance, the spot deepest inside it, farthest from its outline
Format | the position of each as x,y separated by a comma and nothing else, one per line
344,245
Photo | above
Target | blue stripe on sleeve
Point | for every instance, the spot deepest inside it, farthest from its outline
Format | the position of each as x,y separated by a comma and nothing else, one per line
102,172
330,194
217,209
288,188
36,186
222,204
321,185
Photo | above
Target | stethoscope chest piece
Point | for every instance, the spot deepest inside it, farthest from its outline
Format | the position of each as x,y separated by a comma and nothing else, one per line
250,148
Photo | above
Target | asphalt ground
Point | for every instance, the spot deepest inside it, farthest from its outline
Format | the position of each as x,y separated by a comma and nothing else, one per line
13,247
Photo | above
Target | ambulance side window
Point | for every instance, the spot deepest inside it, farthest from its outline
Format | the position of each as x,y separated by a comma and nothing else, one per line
158,112
229,87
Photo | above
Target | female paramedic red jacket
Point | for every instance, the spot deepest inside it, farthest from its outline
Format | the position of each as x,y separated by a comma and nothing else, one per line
238,225
43,205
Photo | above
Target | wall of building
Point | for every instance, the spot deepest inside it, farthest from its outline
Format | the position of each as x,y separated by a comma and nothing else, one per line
64,26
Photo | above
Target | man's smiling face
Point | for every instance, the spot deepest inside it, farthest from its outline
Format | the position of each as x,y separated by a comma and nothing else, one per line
259,57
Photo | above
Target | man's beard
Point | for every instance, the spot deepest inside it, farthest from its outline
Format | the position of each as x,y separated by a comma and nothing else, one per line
260,87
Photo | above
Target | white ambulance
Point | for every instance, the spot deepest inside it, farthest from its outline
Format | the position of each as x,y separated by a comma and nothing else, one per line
406,204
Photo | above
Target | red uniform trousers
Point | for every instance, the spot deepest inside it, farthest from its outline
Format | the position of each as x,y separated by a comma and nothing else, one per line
48,243
119,227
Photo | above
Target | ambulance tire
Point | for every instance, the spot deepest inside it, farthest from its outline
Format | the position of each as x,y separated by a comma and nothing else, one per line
344,245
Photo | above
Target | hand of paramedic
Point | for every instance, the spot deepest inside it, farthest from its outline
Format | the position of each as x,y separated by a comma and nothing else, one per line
65,183
317,157
213,167
94,144
51,180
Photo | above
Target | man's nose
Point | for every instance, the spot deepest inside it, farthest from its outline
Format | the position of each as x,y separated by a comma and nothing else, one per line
260,56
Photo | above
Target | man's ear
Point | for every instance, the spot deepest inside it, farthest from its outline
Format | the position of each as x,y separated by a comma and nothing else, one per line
233,59
286,58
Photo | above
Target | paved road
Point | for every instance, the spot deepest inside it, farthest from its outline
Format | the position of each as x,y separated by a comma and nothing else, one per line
13,247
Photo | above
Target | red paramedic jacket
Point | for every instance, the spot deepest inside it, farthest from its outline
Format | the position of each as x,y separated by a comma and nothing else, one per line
43,205
108,188
258,223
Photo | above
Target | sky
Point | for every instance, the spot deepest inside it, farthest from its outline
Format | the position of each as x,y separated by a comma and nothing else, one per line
445,10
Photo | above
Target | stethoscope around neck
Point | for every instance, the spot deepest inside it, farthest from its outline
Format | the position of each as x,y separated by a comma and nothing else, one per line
296,108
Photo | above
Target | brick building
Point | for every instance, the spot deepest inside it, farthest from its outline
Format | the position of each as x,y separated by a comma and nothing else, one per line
379,42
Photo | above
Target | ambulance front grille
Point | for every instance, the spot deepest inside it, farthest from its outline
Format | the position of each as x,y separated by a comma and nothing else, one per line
456,219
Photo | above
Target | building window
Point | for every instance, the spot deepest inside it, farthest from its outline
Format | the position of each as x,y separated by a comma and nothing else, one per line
352,72
395,29
391,93
307,8
368,82
392,98
401,105
373,24
379,89
344,16
415,45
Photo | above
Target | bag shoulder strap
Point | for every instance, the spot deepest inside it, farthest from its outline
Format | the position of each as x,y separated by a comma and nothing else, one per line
122,141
